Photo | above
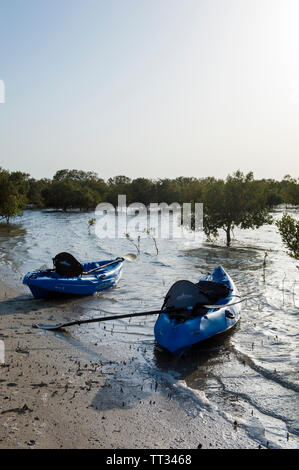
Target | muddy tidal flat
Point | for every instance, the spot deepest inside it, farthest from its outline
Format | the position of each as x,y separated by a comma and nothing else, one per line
109,385
58,393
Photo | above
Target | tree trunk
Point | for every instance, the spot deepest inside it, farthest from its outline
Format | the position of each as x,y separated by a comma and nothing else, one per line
228,238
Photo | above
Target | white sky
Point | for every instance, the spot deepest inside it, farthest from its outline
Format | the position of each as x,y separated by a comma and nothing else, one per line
158,88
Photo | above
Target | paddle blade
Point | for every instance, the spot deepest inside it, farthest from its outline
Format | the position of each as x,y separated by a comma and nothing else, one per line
47,327
130,257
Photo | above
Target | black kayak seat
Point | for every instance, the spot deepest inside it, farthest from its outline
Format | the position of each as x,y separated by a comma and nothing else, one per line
66,264
188,294
213,290
184,294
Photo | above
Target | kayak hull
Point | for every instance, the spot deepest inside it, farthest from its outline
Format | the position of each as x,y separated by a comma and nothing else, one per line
177,336
47,283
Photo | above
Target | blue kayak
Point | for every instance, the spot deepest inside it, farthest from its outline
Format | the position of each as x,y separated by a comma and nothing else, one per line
46,283
177,333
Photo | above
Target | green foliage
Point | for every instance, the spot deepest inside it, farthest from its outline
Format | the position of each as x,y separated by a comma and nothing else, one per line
13,190
142,190
290,190
116,186
36,191
119,180
289,231
79,189
75,175
272,192
236,202
72,189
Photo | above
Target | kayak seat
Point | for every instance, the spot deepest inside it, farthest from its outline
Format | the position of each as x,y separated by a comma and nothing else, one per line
213,290
66,264
184,294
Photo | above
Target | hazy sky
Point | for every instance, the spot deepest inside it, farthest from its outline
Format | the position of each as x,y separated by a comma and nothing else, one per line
154,88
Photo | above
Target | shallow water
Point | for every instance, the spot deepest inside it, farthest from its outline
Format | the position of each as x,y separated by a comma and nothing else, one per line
249,375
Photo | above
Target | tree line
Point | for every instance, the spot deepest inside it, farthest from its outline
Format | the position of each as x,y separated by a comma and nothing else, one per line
77,189
239,200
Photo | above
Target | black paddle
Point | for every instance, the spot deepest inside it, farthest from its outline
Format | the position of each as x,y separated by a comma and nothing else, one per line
129,315
112,317
232,303
127,257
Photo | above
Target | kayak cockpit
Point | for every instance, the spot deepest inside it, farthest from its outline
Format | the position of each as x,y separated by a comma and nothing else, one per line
195,297
204,311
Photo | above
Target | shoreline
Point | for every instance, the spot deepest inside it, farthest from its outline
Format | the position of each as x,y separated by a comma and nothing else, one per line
57,392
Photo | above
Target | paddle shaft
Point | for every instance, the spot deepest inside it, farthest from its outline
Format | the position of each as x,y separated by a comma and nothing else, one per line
117,260
130,315
100,319
116,317
232,303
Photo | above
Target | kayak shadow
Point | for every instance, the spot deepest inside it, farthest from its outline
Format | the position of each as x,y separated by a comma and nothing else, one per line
131,382
26,304
199,358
